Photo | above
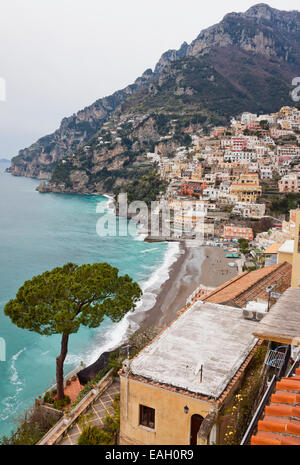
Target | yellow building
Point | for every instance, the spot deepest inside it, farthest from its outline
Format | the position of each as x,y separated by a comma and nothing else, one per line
174,390
238,128
288,227
286,125
197,173
289,251
247,188
236,169
296,254
285,252
285,111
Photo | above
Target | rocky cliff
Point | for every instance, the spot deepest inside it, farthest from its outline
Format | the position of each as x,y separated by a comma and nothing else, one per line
40,159
244,63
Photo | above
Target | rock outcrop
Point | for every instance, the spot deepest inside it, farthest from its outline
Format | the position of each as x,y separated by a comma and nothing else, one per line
244,63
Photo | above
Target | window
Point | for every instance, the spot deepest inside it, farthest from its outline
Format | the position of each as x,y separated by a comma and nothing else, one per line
147,416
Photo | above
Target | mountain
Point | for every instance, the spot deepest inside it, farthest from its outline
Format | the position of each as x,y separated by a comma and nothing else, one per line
244,63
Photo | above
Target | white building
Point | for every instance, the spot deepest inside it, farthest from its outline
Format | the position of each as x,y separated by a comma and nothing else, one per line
266,172
249,210
248,118
239,156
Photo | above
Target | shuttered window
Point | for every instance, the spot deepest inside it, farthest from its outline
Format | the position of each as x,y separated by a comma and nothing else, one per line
147,416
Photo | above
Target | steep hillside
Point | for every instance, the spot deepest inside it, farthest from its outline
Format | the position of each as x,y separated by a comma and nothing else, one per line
244,63
40,159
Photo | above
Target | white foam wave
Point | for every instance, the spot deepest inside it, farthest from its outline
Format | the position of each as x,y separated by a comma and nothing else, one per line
114,337
110,205
161,274
140,237
149,250
73,359
118,332
10,403
14,378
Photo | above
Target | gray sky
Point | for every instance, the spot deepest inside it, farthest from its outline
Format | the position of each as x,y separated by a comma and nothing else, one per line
58,56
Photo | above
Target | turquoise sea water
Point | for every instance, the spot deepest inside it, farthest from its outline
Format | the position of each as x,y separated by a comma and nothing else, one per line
38,232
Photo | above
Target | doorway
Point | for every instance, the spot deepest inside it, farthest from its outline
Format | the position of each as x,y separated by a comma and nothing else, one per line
196,421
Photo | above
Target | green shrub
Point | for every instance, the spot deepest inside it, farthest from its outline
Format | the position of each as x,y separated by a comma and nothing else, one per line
60,404
32,426
48,398
112,420
238,414
94,436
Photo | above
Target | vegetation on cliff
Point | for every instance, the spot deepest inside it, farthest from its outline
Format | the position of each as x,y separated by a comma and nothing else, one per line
244,63
146,186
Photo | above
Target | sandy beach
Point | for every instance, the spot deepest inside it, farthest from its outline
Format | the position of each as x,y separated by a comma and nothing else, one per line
202,265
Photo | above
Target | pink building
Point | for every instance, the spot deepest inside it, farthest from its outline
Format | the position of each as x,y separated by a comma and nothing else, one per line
239,143
290,183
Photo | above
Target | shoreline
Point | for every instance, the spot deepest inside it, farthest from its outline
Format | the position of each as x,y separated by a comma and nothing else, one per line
187,265
194,266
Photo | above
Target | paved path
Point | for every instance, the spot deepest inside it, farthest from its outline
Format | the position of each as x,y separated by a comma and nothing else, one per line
95,414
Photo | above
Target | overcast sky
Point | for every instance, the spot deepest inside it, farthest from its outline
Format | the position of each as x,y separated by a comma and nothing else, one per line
58,56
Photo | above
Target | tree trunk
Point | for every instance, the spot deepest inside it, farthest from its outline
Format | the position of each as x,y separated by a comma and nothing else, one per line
60,366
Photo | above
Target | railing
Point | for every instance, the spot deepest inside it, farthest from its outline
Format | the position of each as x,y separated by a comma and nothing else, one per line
260,409
275,359
293,367
68,376
287,357
58,430
259,412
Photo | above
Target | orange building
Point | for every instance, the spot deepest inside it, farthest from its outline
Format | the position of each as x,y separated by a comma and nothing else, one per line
237,232
193,188
219,132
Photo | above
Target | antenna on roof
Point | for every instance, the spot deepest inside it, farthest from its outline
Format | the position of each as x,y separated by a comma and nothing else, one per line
199,370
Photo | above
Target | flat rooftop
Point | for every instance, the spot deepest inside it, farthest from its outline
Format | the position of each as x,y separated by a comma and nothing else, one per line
287,247
216,336
282,323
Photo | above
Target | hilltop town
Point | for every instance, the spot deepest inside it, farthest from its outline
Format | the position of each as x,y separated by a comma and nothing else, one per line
245,177
198,343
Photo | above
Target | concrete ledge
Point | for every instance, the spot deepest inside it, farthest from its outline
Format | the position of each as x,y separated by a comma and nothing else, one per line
61,427
206,427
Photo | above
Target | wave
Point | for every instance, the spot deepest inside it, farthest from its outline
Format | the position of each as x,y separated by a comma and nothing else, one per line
117,333
161,274
149,250
11,403
14,378
140,237
111,335
110,205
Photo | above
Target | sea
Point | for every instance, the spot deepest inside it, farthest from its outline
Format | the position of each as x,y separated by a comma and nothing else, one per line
41,231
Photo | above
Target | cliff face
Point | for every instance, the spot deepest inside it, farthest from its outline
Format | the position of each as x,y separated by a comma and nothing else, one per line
261,29
112,157
244,63
40,159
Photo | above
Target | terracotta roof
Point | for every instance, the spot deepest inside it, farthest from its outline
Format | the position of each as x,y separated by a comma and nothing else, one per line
251,285
280,424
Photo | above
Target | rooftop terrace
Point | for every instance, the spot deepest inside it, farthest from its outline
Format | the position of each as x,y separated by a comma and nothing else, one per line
215,336
282,323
